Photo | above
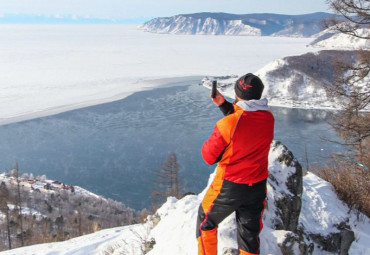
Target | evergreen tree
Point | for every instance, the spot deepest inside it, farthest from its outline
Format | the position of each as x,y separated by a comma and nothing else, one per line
167,181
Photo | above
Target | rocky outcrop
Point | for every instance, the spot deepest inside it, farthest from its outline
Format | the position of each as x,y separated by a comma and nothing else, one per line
338,243
292,244
286,181
289,219
285,210
284,200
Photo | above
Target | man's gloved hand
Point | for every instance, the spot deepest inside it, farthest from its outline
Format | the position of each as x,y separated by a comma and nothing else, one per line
219,99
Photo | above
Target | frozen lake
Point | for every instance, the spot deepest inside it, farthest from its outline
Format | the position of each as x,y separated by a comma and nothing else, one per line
47,69
113,149
113,146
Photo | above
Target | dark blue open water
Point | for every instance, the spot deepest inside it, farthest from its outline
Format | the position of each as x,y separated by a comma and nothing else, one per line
113,149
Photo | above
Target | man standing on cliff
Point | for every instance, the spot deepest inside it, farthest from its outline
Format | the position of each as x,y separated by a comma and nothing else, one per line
239,143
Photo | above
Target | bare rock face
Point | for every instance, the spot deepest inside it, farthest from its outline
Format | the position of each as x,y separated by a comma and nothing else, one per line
285,187
285,203
347,236
290,244
338,242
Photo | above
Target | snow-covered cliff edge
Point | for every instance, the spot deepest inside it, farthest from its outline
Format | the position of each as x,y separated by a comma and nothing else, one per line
303,216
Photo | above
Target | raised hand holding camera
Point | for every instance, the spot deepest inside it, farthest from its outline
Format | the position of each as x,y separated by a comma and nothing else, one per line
216,96
214,89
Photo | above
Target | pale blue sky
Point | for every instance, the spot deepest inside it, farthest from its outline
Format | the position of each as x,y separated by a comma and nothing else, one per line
129,9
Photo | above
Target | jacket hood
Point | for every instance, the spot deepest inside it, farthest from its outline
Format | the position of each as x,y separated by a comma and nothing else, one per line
254,105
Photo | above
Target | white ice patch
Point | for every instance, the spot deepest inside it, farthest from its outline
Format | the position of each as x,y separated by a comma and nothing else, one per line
47,69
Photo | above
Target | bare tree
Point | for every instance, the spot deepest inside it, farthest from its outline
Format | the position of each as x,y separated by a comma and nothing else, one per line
352,83
61,214
19,201
4,194
79,220
349,173
354,15
167,180
60,223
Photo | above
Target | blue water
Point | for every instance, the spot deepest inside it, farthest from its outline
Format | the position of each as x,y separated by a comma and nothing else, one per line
113,149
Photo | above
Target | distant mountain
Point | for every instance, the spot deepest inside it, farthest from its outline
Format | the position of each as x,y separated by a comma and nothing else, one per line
265,24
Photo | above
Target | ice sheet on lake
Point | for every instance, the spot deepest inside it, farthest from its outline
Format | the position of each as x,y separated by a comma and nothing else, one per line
45,69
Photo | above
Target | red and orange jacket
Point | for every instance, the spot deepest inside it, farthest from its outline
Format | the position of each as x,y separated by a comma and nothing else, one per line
240,142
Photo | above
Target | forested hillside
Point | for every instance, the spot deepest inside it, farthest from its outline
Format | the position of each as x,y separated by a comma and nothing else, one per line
52,211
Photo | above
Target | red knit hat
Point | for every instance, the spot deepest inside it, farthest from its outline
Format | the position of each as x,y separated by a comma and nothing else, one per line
249,87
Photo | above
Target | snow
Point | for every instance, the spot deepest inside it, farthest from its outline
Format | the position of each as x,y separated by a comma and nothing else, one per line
310,94
40,186
362,236
25,211
334,40
287,91
170,214
281,172
121,240
322,211
47,69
